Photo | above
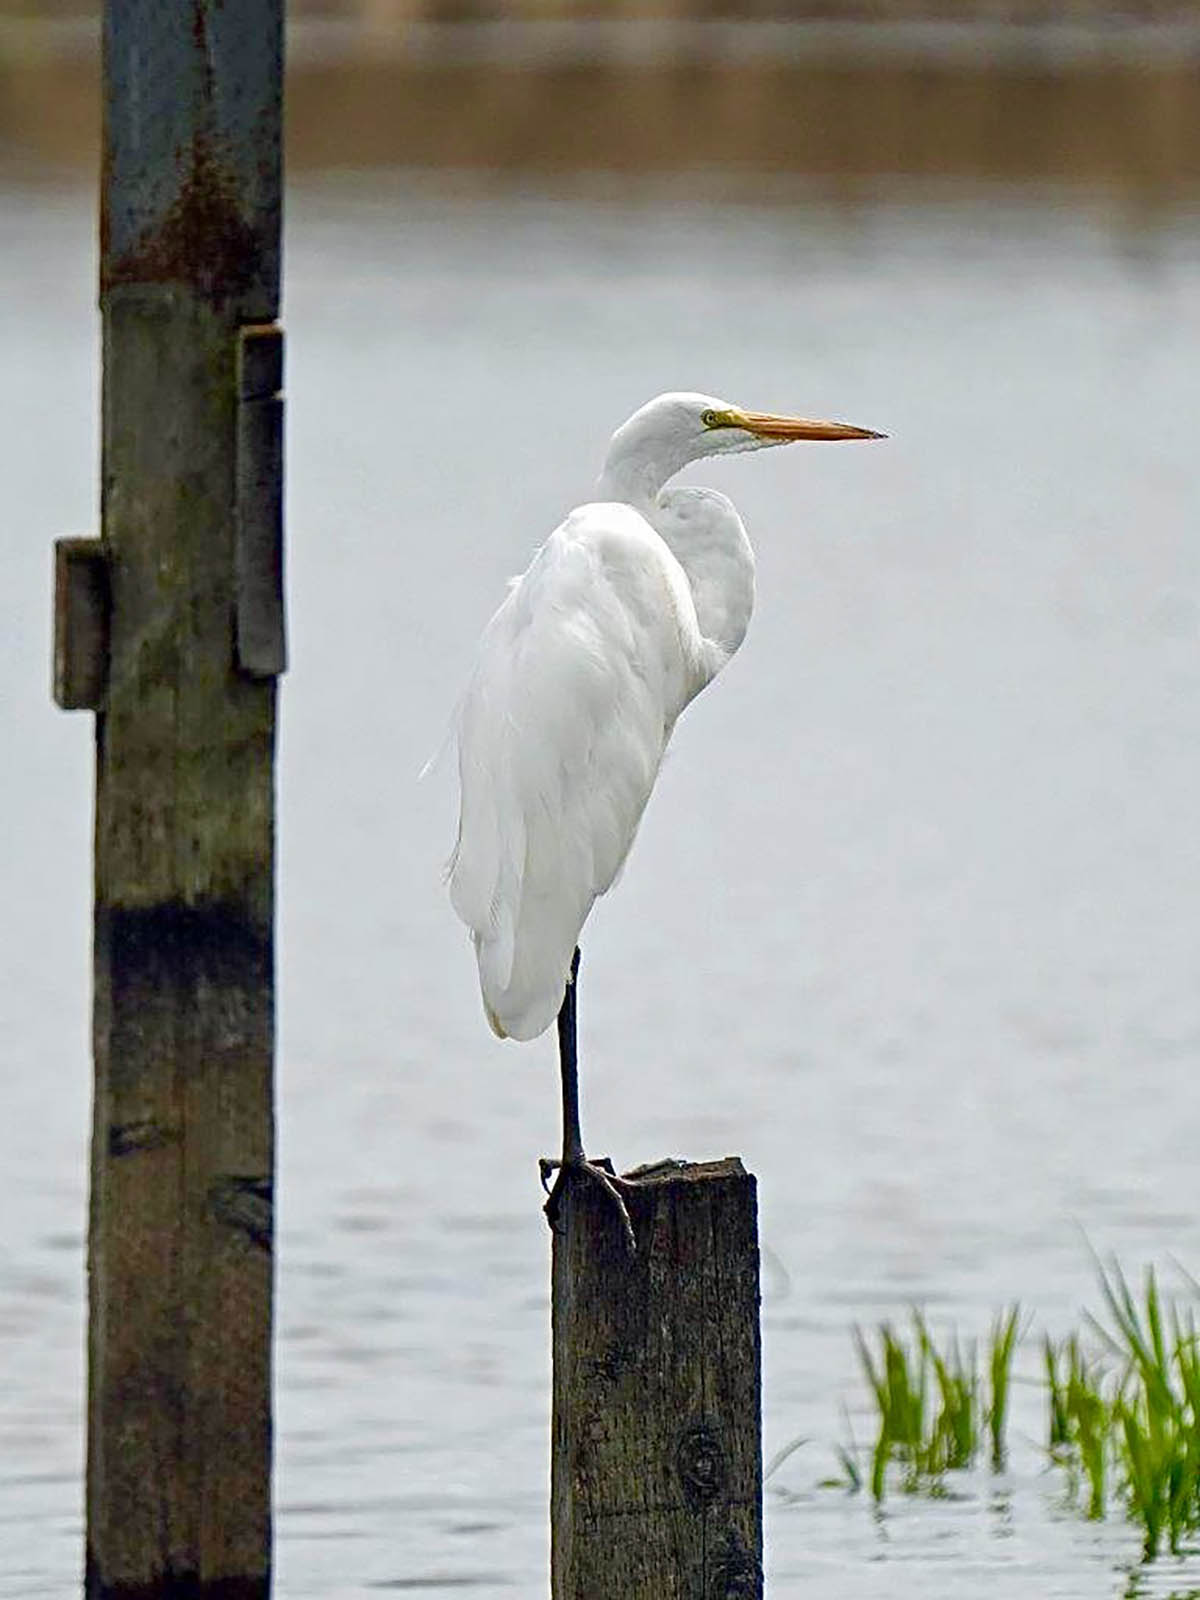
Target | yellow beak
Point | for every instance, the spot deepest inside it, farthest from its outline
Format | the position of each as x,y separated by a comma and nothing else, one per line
765,426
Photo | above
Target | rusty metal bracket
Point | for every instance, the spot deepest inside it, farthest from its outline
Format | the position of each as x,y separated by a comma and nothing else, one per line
261,637
82,610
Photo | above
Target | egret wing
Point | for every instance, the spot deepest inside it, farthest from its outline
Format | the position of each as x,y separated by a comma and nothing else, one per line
580,676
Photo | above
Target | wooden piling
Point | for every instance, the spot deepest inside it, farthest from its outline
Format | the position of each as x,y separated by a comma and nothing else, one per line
180,1243
656,1475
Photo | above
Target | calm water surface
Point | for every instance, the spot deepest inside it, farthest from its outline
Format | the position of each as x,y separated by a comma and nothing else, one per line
911,924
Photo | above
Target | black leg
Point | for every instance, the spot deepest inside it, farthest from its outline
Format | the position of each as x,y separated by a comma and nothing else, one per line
574,1163
568,1061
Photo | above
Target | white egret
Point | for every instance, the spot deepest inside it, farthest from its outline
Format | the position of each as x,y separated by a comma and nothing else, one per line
633,604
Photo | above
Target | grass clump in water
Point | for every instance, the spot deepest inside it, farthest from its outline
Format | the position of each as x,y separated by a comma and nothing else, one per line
1134,1426
1123,1422
1002,1345
1155,1409
1080,1420
930,1405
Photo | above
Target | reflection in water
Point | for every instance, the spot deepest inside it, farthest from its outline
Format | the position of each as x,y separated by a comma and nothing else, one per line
910,924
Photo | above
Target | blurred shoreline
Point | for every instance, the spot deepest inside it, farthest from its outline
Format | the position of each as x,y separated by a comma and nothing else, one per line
1102,102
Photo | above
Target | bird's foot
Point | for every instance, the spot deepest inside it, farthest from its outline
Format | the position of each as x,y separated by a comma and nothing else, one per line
600,1172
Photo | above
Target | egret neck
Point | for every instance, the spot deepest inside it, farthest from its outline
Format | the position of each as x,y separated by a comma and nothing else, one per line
700,527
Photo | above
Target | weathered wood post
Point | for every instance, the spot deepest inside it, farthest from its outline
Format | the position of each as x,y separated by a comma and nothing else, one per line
170,626
656,1475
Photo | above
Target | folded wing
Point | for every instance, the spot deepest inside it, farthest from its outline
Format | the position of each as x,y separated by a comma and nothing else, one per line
580,676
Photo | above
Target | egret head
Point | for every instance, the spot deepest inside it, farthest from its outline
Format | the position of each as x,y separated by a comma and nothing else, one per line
672,430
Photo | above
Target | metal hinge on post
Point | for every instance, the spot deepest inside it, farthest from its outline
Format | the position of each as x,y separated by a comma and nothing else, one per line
82,609
260,637
82,599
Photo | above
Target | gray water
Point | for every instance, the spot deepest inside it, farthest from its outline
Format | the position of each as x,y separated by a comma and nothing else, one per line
911,924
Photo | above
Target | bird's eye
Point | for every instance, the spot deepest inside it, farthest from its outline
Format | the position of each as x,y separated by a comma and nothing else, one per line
711,419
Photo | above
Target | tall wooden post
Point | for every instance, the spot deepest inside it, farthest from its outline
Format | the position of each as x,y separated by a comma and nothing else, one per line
656,1474
171,627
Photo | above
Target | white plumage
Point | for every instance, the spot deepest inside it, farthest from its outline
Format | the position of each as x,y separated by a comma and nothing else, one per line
630,607
580,677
